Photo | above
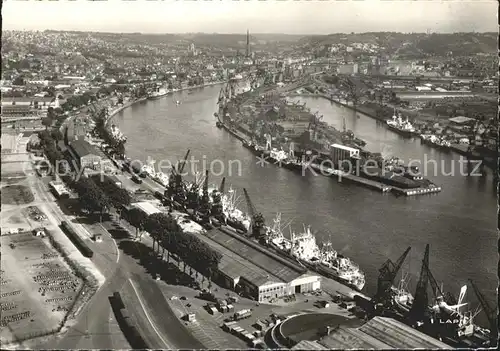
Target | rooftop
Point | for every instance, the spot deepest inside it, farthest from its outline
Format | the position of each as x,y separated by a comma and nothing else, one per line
381,333
83,148
273,265
146,207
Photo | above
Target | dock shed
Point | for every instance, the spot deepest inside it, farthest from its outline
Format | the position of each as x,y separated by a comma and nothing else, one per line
146,207
255,271
381,333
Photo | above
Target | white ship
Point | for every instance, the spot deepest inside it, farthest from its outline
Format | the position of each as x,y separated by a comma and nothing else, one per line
149,168
401,126
324,260
161,178
278,156
402,298
235,217
158,93
116,134
275,237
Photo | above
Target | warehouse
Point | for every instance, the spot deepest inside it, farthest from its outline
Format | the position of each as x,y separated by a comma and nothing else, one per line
146,207
381,333
256,272
88,156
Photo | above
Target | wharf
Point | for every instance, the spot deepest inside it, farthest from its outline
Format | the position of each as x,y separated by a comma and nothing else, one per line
351,178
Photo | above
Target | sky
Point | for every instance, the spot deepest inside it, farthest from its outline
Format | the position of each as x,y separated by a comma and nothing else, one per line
271,16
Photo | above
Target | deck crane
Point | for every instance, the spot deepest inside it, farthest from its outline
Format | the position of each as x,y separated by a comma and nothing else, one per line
388,273
491,314
257,221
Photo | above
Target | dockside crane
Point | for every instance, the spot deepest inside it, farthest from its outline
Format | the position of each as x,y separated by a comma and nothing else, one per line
491,314
388,273
205,207
418,313
217,207
222,185
257,221
193,193
176,190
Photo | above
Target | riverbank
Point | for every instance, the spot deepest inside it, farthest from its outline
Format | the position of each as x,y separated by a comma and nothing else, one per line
456,148
123,107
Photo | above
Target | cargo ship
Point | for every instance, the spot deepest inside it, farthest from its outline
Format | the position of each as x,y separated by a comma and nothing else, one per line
323,260
435,141
400,126
234,217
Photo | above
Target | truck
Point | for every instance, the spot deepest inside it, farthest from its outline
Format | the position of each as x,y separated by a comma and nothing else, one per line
242,314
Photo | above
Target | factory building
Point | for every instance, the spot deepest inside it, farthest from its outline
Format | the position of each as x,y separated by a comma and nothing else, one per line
341,153
256,272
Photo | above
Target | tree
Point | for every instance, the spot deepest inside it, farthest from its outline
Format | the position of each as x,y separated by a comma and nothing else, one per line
47,122
56,135
117,195
91,197
154,226
138,219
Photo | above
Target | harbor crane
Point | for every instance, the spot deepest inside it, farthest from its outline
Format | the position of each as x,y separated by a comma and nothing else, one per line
257,221
217,206
388,273
193,193
205,207
222,185
418,311
176,189
491,314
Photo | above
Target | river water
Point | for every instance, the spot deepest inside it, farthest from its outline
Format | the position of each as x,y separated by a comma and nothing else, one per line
459,223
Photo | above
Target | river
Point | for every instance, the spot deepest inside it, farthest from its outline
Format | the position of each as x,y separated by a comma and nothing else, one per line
459,223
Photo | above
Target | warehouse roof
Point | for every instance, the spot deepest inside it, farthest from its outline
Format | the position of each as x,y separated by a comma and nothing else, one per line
235,266
269,262
381,333
82,148
309,345
146,207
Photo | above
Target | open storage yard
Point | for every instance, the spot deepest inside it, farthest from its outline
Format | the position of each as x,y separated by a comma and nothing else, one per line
37,287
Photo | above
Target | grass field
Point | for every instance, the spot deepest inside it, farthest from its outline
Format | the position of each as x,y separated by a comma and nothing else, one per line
37,287
16,195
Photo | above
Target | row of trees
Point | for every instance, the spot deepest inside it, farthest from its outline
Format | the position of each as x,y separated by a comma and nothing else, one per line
98,194
168,235
48,142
